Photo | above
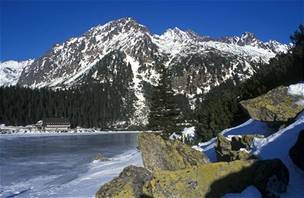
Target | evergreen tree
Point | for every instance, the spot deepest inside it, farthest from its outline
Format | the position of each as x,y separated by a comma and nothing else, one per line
164,112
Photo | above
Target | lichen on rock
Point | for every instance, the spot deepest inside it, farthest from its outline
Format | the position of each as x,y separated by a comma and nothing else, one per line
214,180
128,184
161,154
238,148
274,106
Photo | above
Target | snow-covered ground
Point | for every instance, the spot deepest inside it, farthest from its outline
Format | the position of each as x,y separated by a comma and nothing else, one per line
249,192
296,89
249,127
276,145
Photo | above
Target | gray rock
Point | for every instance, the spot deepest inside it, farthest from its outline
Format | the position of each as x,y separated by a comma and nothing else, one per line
236,149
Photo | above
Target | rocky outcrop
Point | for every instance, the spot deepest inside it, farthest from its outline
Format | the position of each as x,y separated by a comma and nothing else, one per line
160,154
235,149
275,106
296,152
214,180
128,184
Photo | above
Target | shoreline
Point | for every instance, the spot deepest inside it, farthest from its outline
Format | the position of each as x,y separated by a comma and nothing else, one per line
37,134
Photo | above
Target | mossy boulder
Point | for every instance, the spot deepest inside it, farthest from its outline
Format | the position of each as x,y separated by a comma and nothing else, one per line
128,184
215,180
161,154
238,148
296,152
275,106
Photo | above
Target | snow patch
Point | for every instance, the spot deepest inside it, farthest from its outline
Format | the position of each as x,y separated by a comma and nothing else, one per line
249,192
189,132
249,127
175,136
141,110
10,71
296,89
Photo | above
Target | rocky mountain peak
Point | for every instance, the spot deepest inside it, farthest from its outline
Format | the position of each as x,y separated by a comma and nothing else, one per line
177,34
122,25
248,38
248,35
76,57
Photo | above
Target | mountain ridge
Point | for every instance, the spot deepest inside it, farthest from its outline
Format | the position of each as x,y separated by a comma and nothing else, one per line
176,36
196,63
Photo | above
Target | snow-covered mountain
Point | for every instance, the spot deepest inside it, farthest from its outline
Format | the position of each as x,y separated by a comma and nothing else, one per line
64,64
10,71
104,53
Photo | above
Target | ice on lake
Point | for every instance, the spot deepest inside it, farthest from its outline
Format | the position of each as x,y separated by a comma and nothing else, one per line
63,166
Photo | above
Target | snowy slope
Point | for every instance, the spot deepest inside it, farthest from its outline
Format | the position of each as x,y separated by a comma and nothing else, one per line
275,145
247,128
10,71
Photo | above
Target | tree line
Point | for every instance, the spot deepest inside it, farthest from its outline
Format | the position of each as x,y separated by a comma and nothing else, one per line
89,106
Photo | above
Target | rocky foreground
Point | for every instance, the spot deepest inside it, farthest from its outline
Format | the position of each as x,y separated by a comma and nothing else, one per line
174,169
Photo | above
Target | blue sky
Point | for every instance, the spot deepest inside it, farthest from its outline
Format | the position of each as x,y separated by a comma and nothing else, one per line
29,28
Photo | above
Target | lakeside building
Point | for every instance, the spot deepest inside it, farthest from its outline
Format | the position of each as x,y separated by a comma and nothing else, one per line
56,124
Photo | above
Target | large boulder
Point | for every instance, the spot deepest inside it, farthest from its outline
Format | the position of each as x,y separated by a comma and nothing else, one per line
238,148
215,180
128,184
296,152
275,106
160,154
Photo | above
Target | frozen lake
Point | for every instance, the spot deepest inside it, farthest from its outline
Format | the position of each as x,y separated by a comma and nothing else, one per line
63,166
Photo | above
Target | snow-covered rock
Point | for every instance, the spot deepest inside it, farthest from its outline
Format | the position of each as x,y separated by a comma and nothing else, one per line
296,89
10,71
188,134
175,136
278,146
275,145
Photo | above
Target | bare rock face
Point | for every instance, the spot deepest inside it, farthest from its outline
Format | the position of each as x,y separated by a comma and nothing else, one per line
296,152
160,154
275,106
235,149
214,180
128,184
